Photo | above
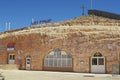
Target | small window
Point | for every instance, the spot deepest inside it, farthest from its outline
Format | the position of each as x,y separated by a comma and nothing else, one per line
28,61
94,61
101,61
11,57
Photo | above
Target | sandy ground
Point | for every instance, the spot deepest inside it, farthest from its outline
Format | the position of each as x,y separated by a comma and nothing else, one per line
46,75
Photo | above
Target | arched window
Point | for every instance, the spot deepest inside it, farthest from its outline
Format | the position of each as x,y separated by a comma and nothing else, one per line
98,63
97,54
97,59
58,58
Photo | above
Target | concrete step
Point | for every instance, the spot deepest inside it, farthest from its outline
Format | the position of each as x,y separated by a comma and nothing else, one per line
9,67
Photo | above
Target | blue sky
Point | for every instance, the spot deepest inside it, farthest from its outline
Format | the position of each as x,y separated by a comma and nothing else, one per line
20,12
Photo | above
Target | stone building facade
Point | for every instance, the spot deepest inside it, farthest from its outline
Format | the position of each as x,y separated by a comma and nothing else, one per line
78,48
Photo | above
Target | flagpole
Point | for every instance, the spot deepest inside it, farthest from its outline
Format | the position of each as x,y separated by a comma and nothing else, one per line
91,4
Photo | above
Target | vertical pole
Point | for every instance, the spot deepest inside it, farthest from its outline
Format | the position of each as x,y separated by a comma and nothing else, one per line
91,4
6,24
83,7
32,23
9,26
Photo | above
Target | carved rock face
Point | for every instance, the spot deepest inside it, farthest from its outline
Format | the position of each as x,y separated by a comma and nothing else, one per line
81,41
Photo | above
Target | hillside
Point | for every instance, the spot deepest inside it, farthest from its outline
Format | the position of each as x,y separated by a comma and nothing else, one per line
90,27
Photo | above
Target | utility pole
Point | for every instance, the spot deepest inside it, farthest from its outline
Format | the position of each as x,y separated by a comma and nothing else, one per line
83,8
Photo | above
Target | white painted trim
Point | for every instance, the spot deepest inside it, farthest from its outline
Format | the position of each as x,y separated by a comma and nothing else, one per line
98,68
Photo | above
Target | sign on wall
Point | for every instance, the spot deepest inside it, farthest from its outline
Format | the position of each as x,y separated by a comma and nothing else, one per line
40,21
10,46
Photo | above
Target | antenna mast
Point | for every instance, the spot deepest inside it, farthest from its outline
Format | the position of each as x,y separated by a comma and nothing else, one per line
83,8
7,25
33,20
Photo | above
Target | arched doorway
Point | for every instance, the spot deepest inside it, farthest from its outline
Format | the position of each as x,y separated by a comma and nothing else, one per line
28,60
97,63
11,59
58,60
